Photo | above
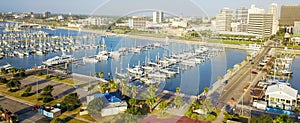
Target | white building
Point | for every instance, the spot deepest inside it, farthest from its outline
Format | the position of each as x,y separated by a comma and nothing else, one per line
223,20
113,103
158,17
137,22
273,9
296,27
254,10
281,96
259,22
238,27
179,22
241,14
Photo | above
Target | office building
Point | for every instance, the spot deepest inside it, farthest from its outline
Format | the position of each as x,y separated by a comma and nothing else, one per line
297,27
241,14
273,9
260,24
289,14
158,17
137,22
46,14
223,20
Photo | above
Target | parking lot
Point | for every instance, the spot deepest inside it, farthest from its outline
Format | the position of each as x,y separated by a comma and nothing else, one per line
24,112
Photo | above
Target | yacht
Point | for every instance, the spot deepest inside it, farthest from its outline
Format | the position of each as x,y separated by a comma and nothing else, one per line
91,60
102,55
59,60
7,66
286,72
114,54
157,75
135,70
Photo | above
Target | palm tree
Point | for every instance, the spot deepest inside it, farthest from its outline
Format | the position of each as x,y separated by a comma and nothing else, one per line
162,107
151,91
103,87
112,85
150,102
22,70
177,90
13,71
206,89
134,91
132,102
101,74
122,86
95,74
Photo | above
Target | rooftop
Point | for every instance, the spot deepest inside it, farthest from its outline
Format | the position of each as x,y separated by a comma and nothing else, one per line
282,91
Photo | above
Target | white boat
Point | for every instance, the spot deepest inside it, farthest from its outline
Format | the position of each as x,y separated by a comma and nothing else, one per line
147,68
102,55
91,60
38,52
114,54
148,81
59,60
201,50
157,75
5,66
286,72
167,72
135,70
157,45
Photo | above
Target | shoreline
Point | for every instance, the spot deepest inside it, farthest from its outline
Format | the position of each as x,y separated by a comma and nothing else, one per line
180,41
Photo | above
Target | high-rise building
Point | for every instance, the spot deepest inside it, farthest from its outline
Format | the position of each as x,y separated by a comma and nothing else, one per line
273,9
241,14
158,17
289,14
260,24
137,22
254,10
223,20
46,14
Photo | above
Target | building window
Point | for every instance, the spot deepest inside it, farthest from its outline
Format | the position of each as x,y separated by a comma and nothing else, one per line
282,100
288,101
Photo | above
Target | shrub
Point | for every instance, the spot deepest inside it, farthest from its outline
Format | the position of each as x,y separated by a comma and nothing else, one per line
39,73
3,80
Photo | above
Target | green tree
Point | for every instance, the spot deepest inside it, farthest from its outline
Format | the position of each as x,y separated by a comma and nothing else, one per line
134,91
206,89
13,84
46,94
112,86
150,102
262,119
3,80
26,91
22,70
57,120
13,71
132,102
283,118
101,74
178,101
177,90
3,71
103,87
95,74
95,106
162,107
71,101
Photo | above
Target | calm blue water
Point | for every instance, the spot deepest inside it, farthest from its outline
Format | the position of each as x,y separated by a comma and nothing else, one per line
295,79
191,81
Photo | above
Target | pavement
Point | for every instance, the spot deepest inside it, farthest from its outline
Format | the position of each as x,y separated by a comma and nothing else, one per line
236,83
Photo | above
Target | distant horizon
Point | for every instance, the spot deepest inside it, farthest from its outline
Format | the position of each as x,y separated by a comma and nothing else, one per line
185,8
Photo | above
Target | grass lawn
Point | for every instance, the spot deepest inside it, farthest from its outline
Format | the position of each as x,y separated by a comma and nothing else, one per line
65,81
17,94
236,42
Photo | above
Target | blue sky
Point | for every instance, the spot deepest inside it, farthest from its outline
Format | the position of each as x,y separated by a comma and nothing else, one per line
122,7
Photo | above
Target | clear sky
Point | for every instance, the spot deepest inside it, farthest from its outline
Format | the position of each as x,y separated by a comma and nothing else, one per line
123,7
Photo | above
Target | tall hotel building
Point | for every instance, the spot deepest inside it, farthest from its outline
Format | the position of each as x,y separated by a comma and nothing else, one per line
259,22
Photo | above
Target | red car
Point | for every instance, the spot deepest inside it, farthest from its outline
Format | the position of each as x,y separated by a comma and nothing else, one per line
254,72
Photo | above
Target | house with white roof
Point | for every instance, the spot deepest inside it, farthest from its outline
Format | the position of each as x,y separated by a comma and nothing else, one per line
281,96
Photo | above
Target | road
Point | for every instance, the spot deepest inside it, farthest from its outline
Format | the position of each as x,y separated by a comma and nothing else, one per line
236,83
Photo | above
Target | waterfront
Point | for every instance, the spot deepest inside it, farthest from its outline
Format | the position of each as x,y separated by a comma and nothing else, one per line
206,72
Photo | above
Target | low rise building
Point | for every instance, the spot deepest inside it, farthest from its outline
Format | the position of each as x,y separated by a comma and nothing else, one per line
112,101
281,96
